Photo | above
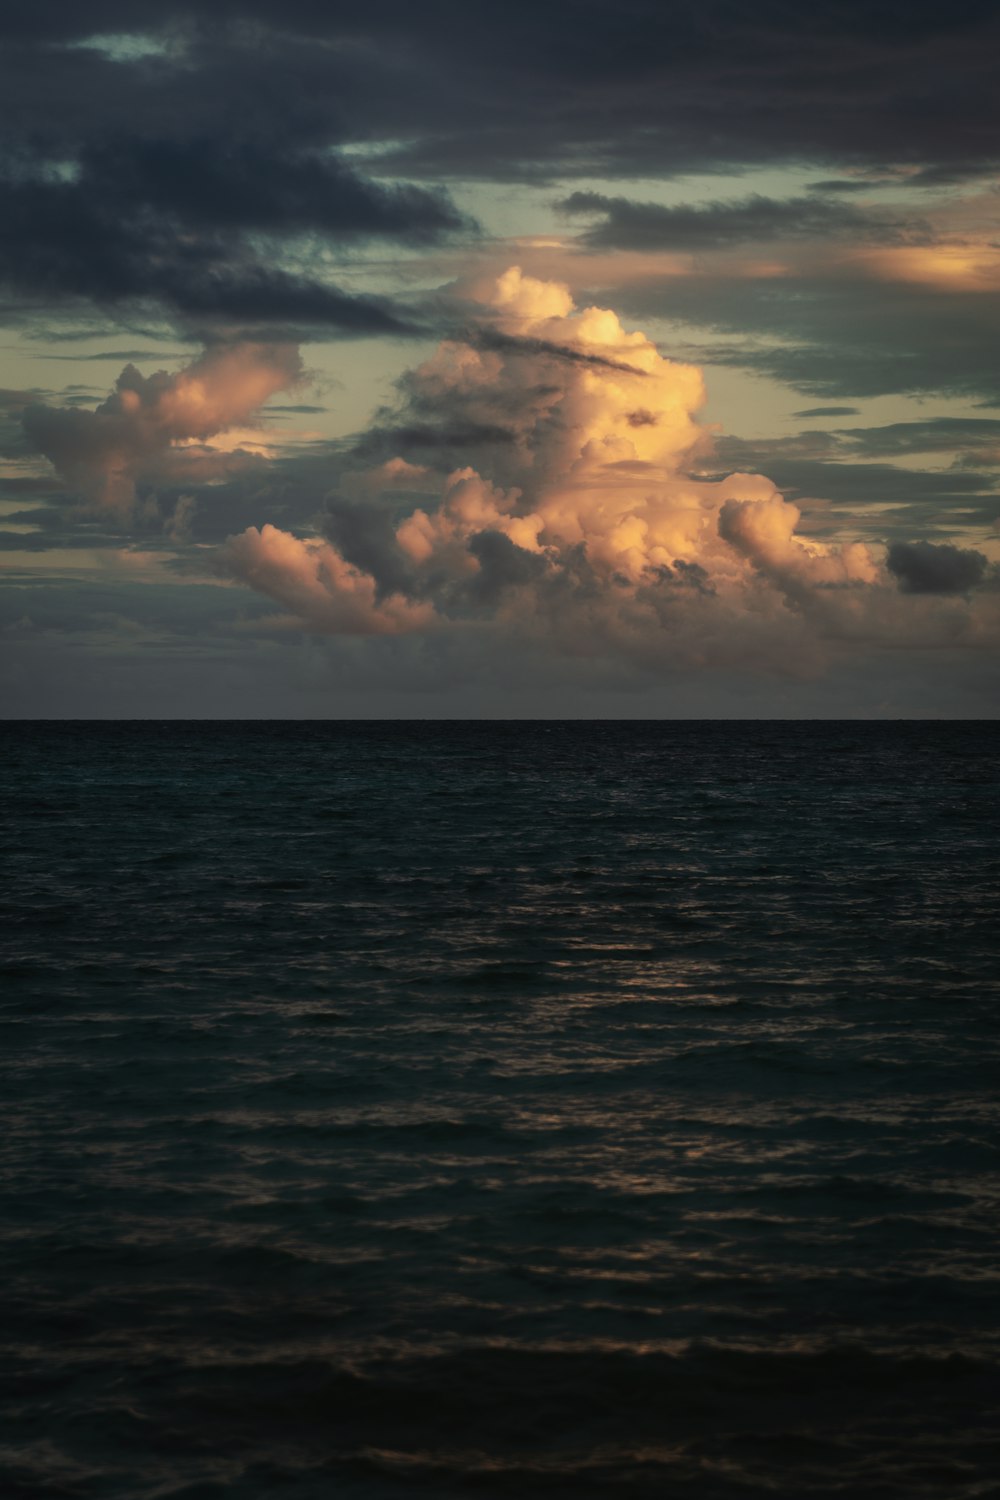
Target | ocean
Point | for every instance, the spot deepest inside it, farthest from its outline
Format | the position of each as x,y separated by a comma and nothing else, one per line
501,1109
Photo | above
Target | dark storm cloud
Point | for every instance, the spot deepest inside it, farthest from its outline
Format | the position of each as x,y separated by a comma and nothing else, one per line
628,225
55,251
522,90
251,292
692,87
603,41
224,183
147,223
149,175
926,568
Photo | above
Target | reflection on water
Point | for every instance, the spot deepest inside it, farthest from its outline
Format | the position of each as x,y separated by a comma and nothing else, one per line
542,1110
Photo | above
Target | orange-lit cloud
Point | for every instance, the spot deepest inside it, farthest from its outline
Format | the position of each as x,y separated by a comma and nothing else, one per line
968,267
313,582
587,528
146,419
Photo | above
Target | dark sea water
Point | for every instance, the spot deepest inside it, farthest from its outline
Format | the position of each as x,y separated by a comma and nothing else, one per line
537,1110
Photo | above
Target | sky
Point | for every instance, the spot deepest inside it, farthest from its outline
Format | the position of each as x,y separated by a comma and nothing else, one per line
455,360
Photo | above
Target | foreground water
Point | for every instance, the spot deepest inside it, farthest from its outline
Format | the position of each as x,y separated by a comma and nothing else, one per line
536,1110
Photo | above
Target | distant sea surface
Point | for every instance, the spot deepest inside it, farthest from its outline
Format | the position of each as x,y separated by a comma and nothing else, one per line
536,1110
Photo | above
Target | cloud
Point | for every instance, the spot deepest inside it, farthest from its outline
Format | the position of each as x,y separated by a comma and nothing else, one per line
764,532
509,343
884,500
234,182
930,568
972,441
179,223
827,411
933,435
628,225
588,535
315,584
547,386
146,421
270,171
829,327
874,502
589,539
689,89
513,98
177,526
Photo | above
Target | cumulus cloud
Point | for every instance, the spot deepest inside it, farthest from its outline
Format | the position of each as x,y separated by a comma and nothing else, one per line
147,419
314,583
764,532
588,532
572,391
